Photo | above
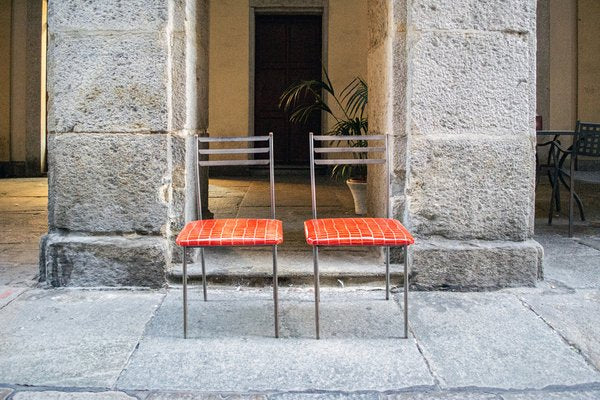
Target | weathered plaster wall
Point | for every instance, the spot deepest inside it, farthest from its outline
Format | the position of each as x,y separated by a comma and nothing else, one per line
462,105
231,95
124,80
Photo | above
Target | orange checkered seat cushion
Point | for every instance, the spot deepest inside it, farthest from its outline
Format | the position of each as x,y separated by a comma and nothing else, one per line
356,232
231,232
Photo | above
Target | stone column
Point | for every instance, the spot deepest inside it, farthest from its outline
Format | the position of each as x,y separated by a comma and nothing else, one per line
459,96
126,96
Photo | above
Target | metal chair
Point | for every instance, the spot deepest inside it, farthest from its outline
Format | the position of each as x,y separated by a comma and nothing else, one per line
380,232
231,232
586,143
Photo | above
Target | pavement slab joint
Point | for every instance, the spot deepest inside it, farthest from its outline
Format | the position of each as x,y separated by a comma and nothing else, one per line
568,342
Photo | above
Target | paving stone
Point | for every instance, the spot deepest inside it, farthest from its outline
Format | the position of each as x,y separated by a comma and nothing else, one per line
230,313
4,393
71,338
566,395
591,242
53,395
232,348
325,396
442,396
8,294
492,340
576,316
203,396
570,262
17,275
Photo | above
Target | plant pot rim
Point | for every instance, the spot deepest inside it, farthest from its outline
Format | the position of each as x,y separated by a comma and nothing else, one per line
356,180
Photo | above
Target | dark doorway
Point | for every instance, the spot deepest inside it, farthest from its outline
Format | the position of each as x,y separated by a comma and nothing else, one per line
287,50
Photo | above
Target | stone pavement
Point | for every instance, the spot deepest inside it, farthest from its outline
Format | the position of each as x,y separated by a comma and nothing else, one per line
525,343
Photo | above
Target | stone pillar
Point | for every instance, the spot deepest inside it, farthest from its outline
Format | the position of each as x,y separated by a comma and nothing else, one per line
126,95
454,81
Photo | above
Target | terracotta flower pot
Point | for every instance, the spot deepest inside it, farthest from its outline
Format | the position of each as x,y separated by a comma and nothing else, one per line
358,188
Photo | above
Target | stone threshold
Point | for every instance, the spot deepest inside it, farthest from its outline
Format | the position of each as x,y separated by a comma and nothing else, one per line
295,268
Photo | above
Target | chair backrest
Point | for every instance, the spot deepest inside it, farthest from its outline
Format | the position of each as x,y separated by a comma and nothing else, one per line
366,153
203,154
587,139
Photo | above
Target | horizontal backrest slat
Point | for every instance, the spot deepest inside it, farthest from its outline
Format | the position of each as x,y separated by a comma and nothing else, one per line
352,161
204,139
223,163
348,137
234,151
348,149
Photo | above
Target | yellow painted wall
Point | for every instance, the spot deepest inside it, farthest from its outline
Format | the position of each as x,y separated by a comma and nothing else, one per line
18,109
563,64
5,35
348,41
230,62
574,63
589,61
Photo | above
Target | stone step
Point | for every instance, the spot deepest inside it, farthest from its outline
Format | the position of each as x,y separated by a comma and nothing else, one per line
229,266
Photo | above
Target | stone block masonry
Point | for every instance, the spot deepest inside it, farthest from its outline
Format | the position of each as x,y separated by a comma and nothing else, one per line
461,103
125,90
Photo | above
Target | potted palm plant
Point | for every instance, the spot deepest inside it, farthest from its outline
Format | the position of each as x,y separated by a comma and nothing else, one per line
348,111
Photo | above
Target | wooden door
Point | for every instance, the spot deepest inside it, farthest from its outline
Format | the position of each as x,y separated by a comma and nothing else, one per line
287,50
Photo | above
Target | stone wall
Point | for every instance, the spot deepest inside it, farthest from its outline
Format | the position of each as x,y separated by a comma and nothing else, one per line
461,104
127,92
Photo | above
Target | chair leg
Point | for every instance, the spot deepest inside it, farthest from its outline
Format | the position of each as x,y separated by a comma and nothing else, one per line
387,272
275,291
571,193
553,197
184,279
317,288
575,196
405,292
203,272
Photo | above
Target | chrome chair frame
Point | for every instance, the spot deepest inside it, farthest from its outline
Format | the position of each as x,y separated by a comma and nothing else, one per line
388,208
202,161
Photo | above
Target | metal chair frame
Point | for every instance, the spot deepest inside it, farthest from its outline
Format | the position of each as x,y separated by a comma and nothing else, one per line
586,142
354,161
202,154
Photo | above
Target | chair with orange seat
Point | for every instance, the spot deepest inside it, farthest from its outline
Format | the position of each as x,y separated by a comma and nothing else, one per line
385,232
236,231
